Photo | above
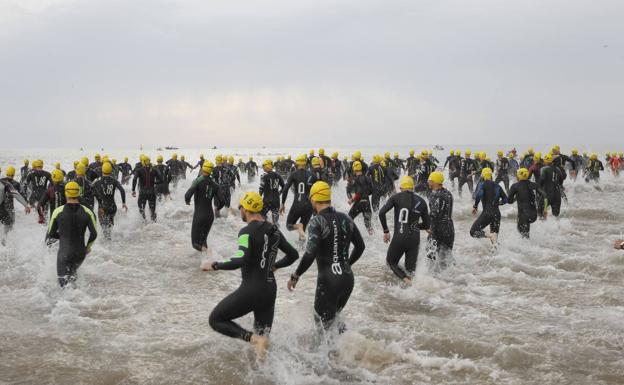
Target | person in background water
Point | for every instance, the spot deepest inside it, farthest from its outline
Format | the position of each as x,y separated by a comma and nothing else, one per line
490,195
258,245
69,224
301,181
126,171
527,194
162,186
251,169
203,190
146,177
271,186
442,229
410,217
10,190
330,236
53,197
359,191
104,191
86,190
37,182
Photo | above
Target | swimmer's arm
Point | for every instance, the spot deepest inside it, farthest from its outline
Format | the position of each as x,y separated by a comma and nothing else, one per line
358,245
238,259
291,254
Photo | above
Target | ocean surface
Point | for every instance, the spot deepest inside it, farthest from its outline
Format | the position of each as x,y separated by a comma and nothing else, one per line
549,310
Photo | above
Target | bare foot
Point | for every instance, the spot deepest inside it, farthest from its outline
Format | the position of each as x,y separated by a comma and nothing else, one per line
493,237
260,344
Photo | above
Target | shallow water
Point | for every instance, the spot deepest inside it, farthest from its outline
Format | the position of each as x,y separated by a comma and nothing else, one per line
548,311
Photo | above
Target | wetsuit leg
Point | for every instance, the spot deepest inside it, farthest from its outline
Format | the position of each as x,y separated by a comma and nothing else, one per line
398,247
67,264
107,220
375,198
294,214
306,214
332,295
555,203
142,201
152,205
202,223
476,231
243,301
362,207
495,222
393,256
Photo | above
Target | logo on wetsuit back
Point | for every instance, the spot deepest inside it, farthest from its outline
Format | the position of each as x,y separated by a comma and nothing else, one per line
403,217
336,268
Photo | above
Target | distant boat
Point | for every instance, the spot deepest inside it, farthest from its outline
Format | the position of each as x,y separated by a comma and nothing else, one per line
437,147
214,147
159,149
170,148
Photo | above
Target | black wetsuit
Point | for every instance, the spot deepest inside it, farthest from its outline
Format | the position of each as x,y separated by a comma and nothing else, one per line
162,186
377,176
126,172
502,172
223,176
147,177
54,197
466,170
442,237
412,166
527,194
251,168
301,182
175,170
86,192
410,216
37,181
551,180
592,170
425,169
203,190
9,189
271,185
330,235
69,224
104,190
491,195
258,244
360,190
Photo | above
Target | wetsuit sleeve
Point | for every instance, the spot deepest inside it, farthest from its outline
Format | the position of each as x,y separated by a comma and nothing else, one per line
426,220
358,245
122,191
241,256
382,213
134,180
281,182
478,195
191,191
53,224
91,226
261,186
512,194
314,238
286,188
291,254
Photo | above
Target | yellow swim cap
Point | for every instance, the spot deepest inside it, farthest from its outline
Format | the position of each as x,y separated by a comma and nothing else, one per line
320,192
57,176
486,173
436,177
107,168
72,190
252,202
407,182
522,174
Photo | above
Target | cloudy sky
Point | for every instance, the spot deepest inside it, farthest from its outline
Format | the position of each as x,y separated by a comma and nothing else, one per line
315,72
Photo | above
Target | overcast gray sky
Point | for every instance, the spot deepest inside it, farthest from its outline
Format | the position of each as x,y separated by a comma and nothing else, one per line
288,72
